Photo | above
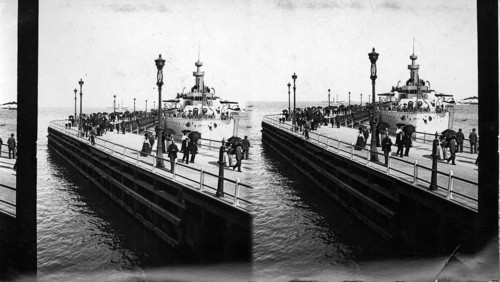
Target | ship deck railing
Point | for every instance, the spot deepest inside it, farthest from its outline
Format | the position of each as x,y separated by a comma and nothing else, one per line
194,178
450,186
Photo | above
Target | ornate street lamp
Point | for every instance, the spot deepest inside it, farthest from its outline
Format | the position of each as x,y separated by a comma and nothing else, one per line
80,120
114,104
289,113
328,98
159,154
294,77
75,105
373,56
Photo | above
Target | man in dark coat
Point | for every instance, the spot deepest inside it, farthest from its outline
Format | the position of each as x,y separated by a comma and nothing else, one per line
407,143
453,150
245,145
239,156
11,144
193,148
473,141
386,147
460,140
172,154
399,142
185,148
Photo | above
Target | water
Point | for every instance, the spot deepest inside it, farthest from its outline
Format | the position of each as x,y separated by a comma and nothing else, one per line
298,230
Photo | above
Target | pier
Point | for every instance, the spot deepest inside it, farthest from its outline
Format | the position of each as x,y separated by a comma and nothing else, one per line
394,200
184,207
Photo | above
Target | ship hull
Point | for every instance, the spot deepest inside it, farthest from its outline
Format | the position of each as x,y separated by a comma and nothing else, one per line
214,129
425,122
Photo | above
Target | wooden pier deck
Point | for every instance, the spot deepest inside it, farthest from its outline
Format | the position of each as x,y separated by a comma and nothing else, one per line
461,178
7,184
188,174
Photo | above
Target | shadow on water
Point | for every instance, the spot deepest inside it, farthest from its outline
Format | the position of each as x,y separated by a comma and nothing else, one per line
80,228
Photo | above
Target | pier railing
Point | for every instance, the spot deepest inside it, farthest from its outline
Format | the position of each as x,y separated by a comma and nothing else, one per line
450,186
197,179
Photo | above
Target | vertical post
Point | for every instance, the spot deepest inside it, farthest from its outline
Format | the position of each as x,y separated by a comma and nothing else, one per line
368,157
338,146
389,164
450,185
425,134
210,144
352,150
153,163
373,56
124,150
236,192
113,149
415,173
435,155
137,160
175,169
202,178
222,164
24,225
327,141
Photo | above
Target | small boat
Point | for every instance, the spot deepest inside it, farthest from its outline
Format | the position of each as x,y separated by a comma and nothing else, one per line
9,106
470,101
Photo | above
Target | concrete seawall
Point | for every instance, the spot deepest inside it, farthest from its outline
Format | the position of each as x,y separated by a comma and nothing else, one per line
201,226
397,210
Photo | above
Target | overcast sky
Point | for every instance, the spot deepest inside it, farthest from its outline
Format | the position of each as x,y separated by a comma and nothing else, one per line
249,49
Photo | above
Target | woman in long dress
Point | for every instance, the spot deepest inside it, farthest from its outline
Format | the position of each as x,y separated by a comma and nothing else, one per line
360,141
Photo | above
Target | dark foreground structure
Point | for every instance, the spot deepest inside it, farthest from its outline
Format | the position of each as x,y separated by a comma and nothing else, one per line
202,227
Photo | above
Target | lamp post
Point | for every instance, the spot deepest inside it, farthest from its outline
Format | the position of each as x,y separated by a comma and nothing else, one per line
289,113
154,104
159,154
294,77
114,104
75,106
146,106
349,99
80,120
373,56
134,107
328,98
361,104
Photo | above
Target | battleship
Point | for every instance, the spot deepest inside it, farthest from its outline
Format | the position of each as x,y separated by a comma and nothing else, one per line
201,110
417,104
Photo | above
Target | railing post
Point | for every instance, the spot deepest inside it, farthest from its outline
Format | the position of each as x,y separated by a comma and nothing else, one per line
202,178
435,155
425,134
338,147
450,185
327,141
175,169
236,192
352,150
222,164
368,157
153,163
113,149
124,150
415,173
389,164
137,160
210,144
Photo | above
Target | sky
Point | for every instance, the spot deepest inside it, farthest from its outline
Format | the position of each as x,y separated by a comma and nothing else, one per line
249,49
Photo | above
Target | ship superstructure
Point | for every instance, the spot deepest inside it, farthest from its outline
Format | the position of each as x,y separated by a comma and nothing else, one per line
417,104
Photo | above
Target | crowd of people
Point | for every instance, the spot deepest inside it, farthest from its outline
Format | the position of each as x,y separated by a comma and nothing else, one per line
11,148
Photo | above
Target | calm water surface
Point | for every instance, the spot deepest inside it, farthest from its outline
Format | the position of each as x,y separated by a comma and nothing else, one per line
298,230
